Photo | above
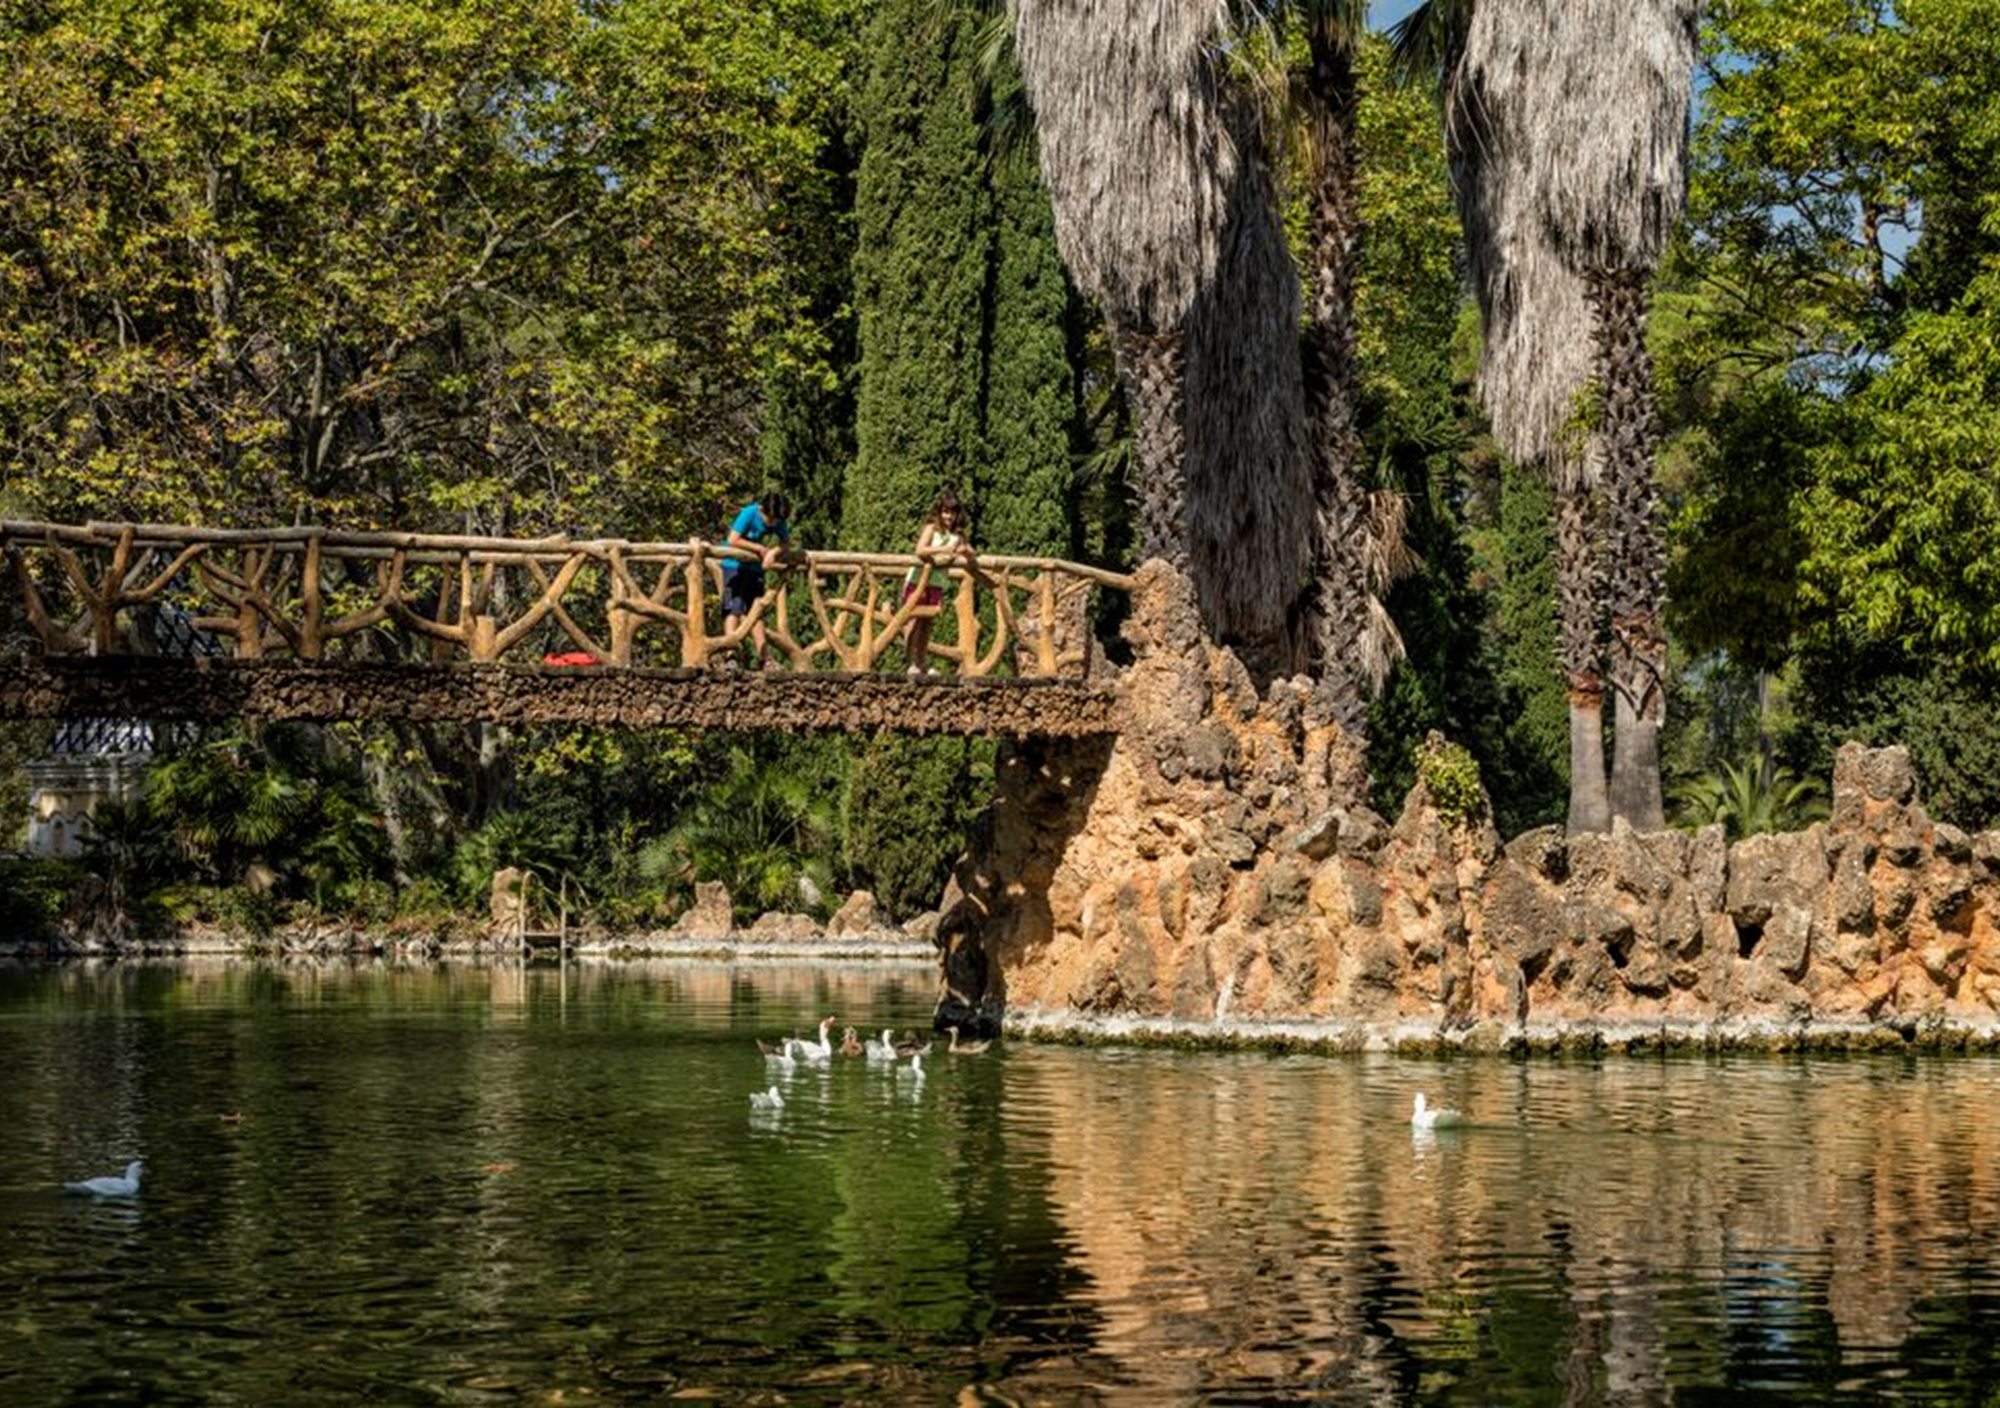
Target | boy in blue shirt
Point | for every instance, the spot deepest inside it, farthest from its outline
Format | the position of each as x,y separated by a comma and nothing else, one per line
756,525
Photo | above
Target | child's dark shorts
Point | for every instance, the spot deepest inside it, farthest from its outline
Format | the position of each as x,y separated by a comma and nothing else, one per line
741,588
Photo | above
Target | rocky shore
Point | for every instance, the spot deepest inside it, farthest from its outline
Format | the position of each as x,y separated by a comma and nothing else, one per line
706,929
1212,876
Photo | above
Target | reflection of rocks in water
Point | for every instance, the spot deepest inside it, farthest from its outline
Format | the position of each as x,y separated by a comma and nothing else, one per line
1247,1222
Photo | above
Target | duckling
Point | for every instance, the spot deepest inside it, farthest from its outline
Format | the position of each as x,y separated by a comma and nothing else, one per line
850,1044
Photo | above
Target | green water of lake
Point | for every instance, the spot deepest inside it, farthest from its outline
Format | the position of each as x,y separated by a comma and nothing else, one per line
470,1185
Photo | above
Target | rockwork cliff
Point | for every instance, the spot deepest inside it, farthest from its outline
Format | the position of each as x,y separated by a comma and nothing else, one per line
1216,864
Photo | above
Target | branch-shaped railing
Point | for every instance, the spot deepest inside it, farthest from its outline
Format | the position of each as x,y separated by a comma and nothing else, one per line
317,594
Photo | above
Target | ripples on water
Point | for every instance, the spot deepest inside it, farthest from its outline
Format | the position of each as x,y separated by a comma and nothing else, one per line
468,1185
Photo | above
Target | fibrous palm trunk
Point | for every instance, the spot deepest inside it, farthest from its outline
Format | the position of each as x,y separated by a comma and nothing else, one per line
1337,605
1637,566
1152,366
1580,621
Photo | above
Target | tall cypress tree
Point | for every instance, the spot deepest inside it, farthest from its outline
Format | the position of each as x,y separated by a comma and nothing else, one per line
966,382
924,219
1025,498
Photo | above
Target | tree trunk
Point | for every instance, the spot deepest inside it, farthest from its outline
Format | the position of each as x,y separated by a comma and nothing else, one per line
1336,603
1637,563
1151,365
1579,619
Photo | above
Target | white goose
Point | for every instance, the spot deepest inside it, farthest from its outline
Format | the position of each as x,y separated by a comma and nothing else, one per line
112,1186
772,1099
1424,1117
815,1051
883,1050
914,1072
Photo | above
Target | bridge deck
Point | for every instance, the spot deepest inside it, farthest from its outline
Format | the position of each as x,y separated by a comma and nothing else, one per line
153,687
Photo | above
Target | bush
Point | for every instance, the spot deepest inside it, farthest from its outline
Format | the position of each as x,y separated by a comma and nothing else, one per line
1450,774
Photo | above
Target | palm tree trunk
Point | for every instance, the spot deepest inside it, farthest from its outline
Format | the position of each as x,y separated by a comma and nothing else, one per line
1337,603
1152,366
1579,618
1637,566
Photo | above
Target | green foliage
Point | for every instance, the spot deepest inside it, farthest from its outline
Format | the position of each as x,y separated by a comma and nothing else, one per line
1902,521
965,377
1025,486
1838,400
1881,696
924,219
1522,630
1450,774
808,433
509,263
34,894
767,829
909,805
279,803
1750,799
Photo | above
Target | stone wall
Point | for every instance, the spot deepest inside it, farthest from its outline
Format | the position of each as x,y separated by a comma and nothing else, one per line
1215,866
34,687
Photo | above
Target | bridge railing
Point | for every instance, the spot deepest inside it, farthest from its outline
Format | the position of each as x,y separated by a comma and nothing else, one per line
318,594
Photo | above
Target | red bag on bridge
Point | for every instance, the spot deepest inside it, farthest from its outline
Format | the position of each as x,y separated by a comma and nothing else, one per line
569,657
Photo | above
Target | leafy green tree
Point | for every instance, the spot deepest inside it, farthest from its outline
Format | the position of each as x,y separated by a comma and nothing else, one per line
1902,519
375,263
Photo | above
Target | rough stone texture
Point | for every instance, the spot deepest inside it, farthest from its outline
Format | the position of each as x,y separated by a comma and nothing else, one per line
507,903
711,916
857,915
1212,863
775,924
214,690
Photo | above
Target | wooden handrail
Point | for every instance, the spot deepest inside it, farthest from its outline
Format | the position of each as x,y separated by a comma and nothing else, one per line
313,593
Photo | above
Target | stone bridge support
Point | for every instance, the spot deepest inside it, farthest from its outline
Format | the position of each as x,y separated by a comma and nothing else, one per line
1215,866
1123,874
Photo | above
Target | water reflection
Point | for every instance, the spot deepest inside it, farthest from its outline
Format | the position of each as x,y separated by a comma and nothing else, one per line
463,1182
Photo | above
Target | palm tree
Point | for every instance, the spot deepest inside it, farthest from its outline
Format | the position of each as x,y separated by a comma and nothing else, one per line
1348,635
1567,122
1166,215
1751,798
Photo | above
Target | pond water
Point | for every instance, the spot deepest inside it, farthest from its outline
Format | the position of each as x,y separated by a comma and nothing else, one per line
473,1184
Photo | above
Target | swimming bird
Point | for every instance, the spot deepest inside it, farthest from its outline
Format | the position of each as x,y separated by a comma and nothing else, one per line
1424,1117
821,1050
772,1099
850,1044
912,1046
883,1050
914,1071
964,1048
111,1186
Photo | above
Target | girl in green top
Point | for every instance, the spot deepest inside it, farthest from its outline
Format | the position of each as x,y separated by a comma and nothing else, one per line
941,539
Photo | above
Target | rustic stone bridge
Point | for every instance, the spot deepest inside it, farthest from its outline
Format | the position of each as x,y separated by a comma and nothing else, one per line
169,622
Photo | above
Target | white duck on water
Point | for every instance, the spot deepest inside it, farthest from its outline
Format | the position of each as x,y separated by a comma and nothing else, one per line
821,1050
883,1050
112,1186
1424,1117
772,1099
914,1072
